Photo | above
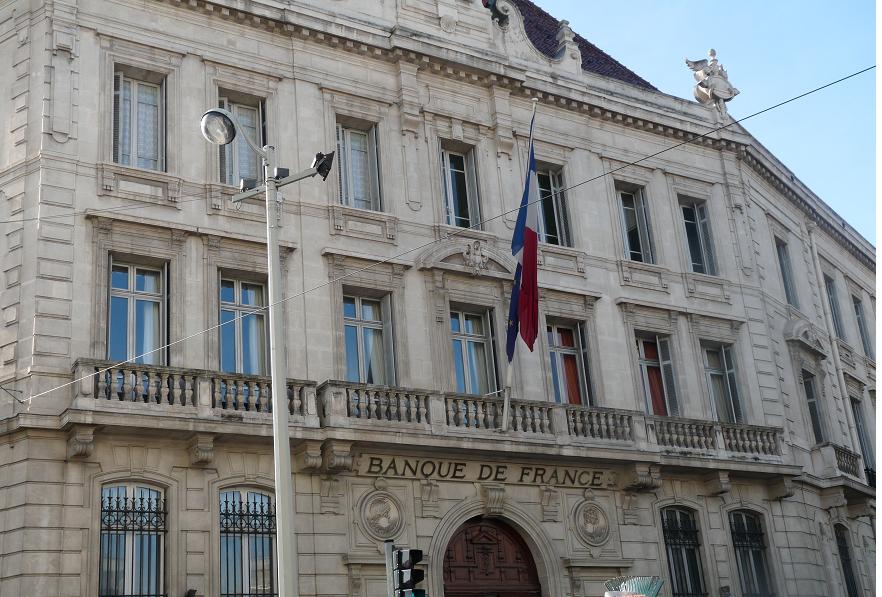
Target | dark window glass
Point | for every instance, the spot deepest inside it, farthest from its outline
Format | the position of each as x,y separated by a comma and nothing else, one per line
811,397
750,554
682,546
247,544
786,272
833,301
851,586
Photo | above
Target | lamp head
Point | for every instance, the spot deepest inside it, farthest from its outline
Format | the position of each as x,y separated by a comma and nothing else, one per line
322,164
218,126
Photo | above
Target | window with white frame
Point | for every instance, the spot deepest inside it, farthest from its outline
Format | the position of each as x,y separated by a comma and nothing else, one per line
473,351
358,167
138,119
553,218
833,302
863,329
247,543
635,225
136,313
132,550
698,236
683,548
243,326
866,444
722,381
809,384
657,374
238,160
749,542
368,340
568,355
459,179
786,272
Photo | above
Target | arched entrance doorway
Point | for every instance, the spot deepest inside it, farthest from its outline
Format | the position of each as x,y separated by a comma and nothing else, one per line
487,558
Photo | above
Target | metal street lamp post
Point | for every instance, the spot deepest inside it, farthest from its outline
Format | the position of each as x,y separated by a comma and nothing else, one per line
221,128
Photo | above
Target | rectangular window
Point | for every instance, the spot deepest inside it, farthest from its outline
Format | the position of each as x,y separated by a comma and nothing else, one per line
863,437
358,167
247,543
553,220
238,160
749,542
136,318
698,237
368,340
682,546
635,226
132,551
657,375
460,188
851,583
138,122
719,367
243,333
814,408
862,326
568,354
786,272
473,352
833,301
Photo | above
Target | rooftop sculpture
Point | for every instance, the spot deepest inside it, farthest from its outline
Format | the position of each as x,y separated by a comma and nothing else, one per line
713,82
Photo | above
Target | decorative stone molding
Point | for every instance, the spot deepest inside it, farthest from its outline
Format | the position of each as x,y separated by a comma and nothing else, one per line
494,499
475,257
711,288
308,456
718,483
381,514
717,328
363,223
202,448
330,492
643,477
642,275
802,334
781,488
428,501
80,442
863,506
550,501
591,523
833,497
563,260
138,185
337,456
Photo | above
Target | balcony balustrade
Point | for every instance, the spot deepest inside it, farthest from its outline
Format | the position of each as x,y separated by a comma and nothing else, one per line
217,396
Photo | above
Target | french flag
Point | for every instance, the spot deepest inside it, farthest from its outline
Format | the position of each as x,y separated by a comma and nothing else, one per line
523,312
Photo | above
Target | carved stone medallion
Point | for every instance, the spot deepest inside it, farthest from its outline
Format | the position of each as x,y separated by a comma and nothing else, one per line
381,515
592,523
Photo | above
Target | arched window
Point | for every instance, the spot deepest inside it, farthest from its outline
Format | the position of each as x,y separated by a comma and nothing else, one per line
842,544
683,547
247,543
133,526
750,553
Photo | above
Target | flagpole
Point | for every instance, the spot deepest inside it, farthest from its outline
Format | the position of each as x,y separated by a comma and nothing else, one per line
506,393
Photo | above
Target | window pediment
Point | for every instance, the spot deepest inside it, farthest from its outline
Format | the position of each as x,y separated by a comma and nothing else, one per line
469,256
801,334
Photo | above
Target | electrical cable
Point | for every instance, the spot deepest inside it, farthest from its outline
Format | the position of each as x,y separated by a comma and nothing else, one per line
445,237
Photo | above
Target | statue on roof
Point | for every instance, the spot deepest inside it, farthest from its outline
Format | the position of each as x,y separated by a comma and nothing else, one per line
495,14
713,82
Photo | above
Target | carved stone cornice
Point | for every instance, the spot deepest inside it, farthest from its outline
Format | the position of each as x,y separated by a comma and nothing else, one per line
643,477
202,448
308,456
781,489
718,483
80,442
337,456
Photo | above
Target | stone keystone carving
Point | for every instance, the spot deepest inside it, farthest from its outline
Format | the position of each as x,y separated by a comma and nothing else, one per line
202,448
494,499
475,257
713,86
644,477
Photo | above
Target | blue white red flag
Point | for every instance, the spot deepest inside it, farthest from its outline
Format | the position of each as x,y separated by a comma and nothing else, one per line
523,312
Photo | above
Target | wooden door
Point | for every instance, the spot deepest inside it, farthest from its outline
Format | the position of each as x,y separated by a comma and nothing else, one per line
487,558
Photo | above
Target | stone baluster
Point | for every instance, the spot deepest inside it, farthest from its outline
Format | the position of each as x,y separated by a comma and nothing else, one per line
176,389
423,406
163,388
151,387
101,392
189,382
373,404
297,392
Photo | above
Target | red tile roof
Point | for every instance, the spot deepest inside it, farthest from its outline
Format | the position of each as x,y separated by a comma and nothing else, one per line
542,29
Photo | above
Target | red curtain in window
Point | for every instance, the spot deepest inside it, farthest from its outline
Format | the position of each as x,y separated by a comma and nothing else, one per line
571,373
657,391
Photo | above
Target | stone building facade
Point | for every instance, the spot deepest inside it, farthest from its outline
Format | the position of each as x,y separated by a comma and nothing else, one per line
701,407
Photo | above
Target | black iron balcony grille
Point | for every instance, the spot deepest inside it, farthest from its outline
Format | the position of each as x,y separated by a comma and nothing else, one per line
248,543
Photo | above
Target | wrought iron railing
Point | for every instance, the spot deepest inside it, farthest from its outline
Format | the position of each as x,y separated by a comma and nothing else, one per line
247,548
132,547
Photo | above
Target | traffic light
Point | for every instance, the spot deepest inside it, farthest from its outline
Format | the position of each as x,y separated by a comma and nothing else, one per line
401,572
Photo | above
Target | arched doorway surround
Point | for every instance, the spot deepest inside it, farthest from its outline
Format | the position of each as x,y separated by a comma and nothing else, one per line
548,563
488,558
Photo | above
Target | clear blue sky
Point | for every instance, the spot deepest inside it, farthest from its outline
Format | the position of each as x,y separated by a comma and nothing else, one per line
772,50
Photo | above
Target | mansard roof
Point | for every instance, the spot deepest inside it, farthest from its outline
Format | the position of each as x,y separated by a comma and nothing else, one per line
542,29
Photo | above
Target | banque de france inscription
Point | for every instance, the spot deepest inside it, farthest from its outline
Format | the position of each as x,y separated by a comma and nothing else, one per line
461,470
